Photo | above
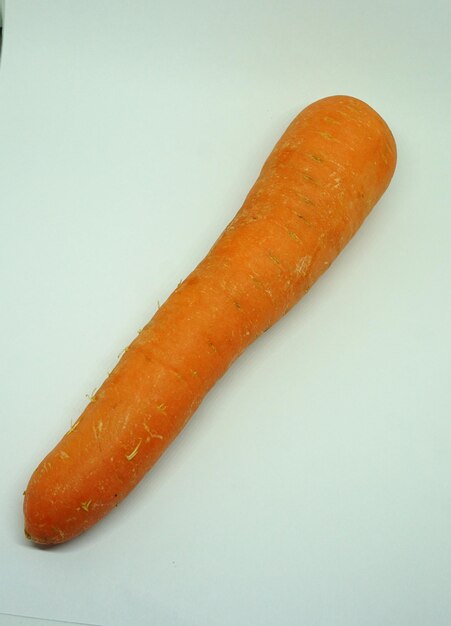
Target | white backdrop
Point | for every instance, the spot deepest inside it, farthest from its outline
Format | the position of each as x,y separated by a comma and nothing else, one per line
313,485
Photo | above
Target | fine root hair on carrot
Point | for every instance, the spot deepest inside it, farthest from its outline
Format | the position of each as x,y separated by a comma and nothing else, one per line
73,426
122,352
92,396
134,452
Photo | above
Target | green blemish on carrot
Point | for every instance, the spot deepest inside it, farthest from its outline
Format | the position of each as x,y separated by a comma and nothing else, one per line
162,408
293,235
316,157
85,505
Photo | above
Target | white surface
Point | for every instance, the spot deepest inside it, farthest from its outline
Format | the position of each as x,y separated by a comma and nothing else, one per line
20,620
313,485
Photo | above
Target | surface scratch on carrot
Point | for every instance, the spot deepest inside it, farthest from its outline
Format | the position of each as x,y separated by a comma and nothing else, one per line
152,434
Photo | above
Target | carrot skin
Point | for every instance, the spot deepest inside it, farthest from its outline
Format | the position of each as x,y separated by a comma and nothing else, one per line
319,183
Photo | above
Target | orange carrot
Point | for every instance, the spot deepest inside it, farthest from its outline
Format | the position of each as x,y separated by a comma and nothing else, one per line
323,177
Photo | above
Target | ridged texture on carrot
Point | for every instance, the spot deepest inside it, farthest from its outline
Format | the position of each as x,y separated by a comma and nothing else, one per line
320,182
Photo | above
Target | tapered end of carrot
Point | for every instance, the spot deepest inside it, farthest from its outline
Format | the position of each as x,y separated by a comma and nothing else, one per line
36,529
48,515
60,503
41,541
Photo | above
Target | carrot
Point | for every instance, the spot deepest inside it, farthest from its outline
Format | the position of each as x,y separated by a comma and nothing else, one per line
323,177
